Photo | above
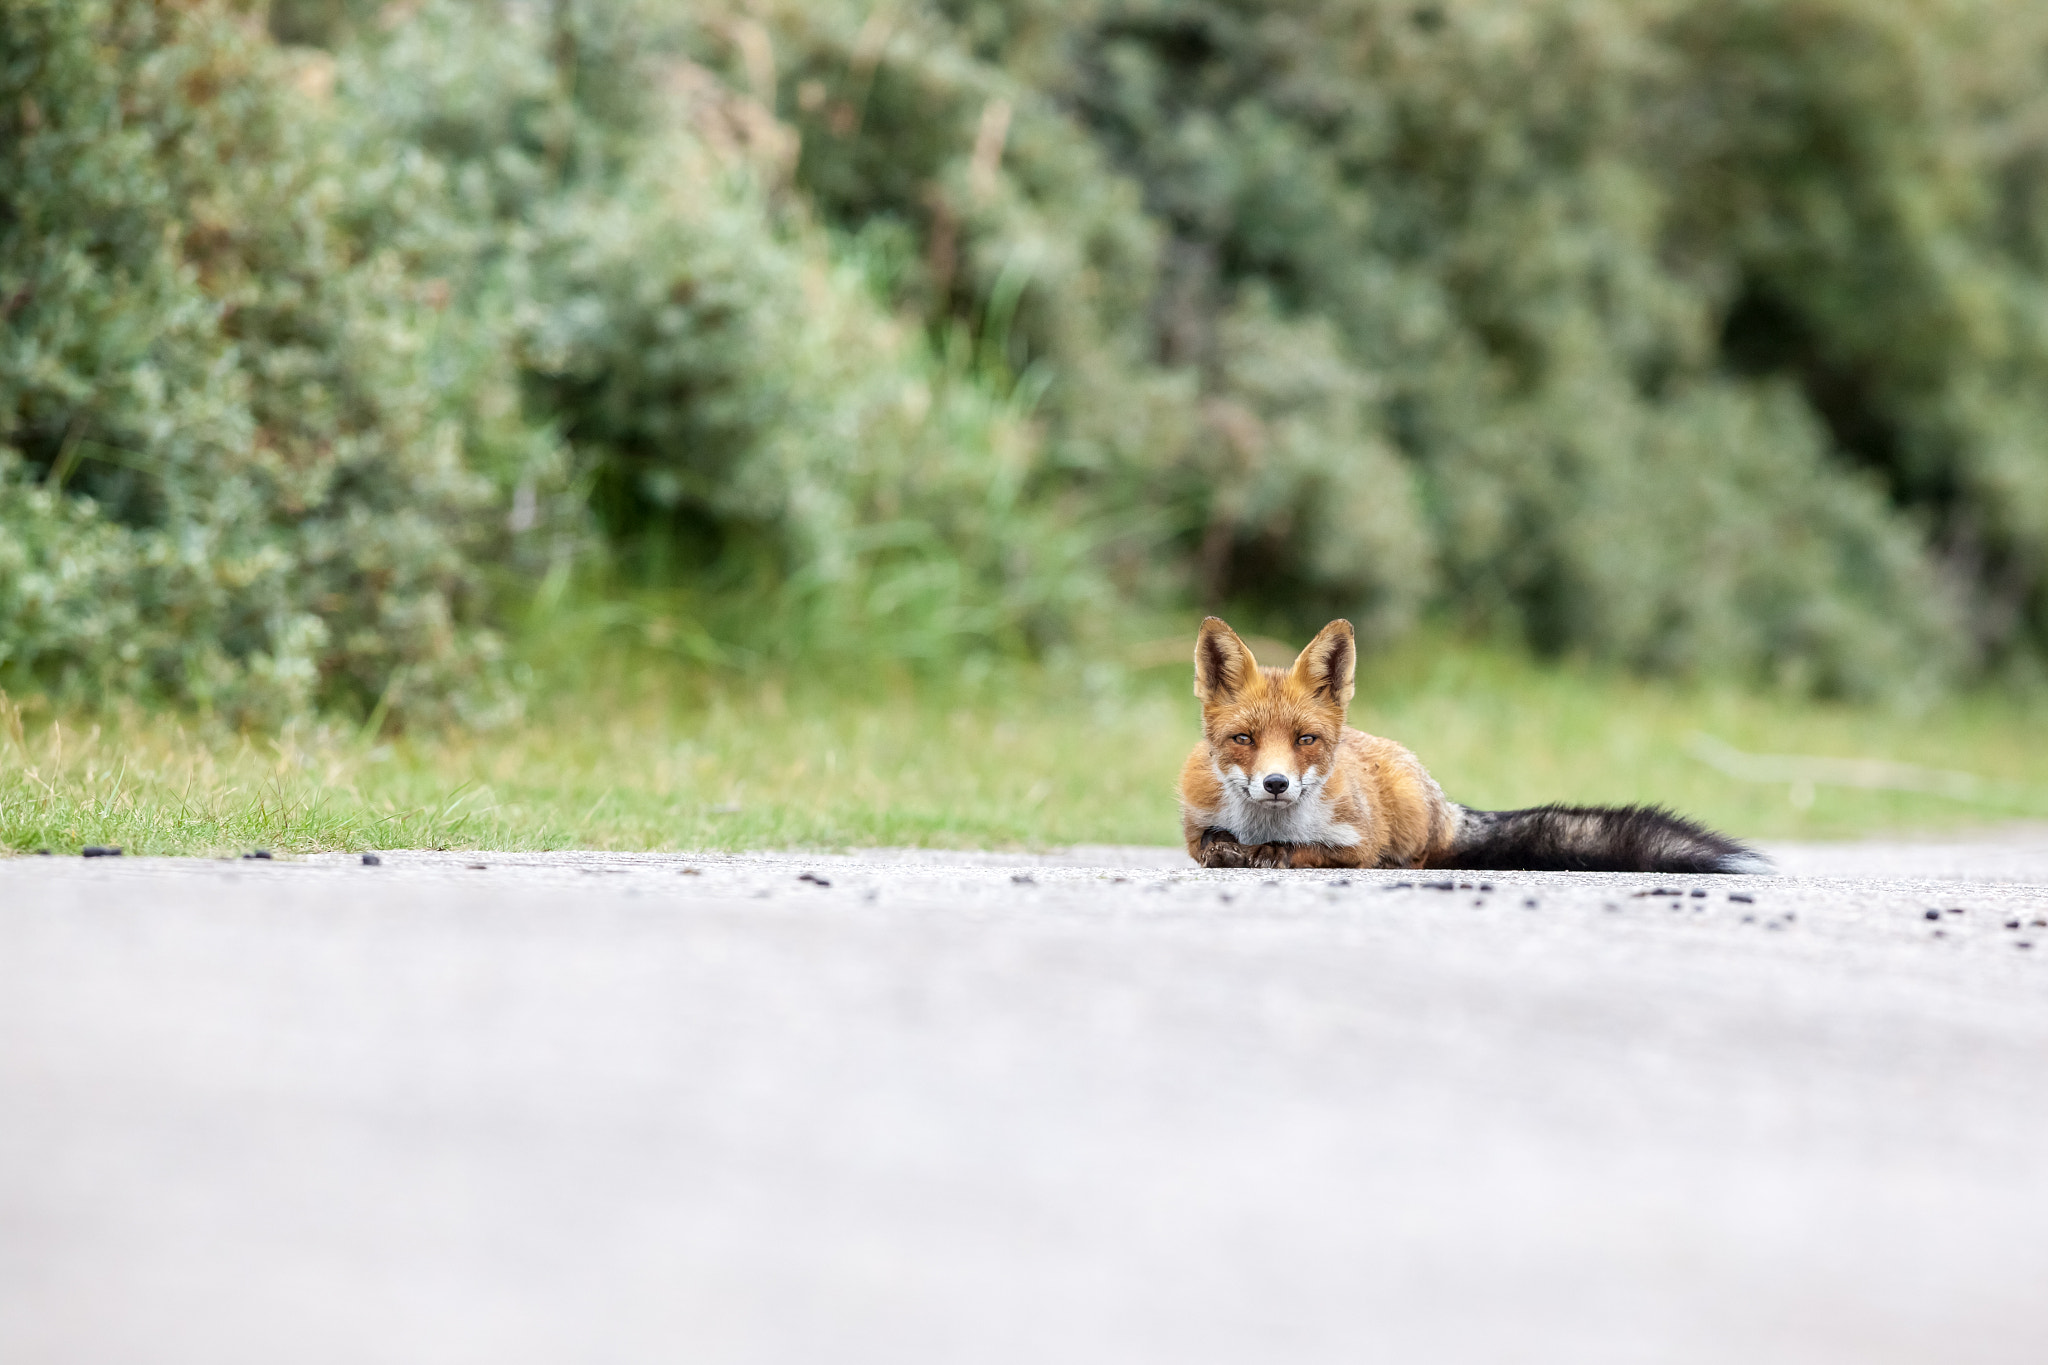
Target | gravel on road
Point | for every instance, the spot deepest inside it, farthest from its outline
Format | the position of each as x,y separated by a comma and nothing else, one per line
1095,1106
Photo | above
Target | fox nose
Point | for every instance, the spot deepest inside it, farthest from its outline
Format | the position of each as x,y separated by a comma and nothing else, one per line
1276,783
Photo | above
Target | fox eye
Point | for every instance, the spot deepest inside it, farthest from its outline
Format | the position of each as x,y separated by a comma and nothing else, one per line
1305,739
1240,739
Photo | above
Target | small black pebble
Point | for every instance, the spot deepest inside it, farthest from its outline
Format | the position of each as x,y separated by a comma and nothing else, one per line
1941,933
1934,914
815,880
1439,886
1119,881
1749,919
1225,896
479,867
1698,894
2022,944
1529,904
1774,925
1486,886
1021,878
1341,881
2012,924
44,853
372,860
96,851
1465,886
261,855
1955,909
1741,899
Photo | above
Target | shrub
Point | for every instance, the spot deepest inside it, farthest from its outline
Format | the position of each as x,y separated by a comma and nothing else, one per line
752,426
1703,336
242,454
1626,284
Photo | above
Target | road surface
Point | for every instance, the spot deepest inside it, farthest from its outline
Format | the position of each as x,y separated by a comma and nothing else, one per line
576,1109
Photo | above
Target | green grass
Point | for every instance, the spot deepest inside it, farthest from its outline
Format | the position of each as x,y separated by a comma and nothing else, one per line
634,754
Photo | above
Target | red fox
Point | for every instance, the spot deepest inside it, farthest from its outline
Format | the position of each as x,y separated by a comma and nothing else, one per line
1279,780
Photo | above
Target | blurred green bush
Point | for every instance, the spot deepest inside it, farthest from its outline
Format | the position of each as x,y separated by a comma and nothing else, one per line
1710,337
1702,336
246,459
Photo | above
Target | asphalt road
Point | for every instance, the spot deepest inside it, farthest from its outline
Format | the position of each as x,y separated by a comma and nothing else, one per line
580,1109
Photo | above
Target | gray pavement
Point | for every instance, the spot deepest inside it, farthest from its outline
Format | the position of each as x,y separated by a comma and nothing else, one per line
1098,1106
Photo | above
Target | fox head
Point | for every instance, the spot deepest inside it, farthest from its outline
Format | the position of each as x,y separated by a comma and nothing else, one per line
1273,732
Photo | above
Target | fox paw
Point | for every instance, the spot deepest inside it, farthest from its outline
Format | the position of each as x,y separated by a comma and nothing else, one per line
1227,852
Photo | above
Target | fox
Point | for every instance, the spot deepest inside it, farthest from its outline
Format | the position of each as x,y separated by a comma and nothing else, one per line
1279,780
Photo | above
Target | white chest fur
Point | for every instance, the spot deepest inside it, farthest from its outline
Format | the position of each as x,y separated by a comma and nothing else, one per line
1308,819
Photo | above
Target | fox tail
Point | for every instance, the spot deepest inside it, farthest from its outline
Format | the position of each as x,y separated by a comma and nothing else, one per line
1593,839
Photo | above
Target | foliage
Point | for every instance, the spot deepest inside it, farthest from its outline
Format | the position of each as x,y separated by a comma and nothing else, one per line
260,460
1701,336
244,461
1709,332
749,422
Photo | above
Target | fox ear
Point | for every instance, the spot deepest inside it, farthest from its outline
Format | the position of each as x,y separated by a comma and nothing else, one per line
1223,666
1330,663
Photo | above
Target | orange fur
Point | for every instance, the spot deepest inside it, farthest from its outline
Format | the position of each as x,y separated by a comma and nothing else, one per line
1351,799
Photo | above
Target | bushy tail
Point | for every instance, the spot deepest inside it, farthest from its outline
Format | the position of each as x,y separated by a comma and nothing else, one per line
1594,839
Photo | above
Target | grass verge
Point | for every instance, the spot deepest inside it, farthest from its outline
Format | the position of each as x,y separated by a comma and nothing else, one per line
641,755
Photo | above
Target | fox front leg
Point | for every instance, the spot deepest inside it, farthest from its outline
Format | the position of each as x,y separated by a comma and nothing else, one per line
1300,855
1317,855
1220,848
1271,855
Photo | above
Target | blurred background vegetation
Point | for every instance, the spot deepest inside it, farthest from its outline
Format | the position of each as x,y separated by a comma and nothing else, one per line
349,348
